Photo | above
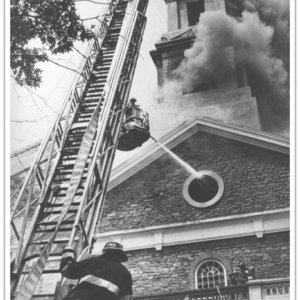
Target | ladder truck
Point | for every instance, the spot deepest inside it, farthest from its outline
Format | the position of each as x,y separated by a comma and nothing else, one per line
60,201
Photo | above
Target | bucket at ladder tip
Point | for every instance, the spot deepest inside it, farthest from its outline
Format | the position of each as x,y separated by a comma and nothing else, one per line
135,129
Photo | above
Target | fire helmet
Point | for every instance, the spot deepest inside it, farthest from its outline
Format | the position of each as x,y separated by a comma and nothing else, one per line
115,248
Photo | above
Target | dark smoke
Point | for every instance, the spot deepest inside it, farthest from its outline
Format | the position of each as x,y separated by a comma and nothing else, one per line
273,103
275,13
259,33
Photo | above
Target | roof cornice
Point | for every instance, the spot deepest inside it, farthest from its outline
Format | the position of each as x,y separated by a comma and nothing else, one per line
251,224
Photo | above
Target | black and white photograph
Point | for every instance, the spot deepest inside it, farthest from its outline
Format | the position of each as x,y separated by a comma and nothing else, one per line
150,150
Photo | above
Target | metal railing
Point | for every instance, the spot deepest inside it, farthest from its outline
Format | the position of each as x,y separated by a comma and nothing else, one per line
240,292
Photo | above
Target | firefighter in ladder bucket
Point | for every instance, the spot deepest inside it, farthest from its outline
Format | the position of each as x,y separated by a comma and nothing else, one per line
101,277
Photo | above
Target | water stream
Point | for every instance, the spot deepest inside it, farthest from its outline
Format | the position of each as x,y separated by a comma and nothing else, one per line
181,162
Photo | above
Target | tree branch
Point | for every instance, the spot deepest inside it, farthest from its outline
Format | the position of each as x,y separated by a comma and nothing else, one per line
79,52
48,59
95,2
65,67
39,96
91,18
27,121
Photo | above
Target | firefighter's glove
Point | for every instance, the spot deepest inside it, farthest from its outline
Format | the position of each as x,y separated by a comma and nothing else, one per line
68,256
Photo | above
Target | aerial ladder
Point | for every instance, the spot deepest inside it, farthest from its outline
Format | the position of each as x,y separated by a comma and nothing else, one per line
60,201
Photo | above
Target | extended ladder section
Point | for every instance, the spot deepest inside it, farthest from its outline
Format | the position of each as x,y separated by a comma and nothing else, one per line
61,200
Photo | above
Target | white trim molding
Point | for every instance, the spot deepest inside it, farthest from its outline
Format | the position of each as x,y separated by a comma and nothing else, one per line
251,224
218,179
268,289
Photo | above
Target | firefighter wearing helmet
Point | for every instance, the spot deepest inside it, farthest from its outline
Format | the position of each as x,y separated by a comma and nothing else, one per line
101,277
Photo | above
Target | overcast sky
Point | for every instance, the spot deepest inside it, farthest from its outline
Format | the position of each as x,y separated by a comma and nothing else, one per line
32,113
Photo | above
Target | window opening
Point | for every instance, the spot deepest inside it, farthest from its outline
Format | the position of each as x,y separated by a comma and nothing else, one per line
194,9
210,274
204,190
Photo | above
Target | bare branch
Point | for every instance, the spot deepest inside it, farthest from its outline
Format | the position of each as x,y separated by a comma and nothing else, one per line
95,2
79,52
37,106
65,67
27,121
31,92
91,18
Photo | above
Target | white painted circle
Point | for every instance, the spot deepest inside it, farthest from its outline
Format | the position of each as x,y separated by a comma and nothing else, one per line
213,200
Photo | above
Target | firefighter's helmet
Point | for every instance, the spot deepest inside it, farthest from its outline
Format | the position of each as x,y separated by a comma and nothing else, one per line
117,248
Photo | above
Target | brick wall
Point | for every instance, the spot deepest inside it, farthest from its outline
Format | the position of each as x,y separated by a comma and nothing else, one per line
255,180
172,268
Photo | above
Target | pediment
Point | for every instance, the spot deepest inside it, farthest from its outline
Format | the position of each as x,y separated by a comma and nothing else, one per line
184,131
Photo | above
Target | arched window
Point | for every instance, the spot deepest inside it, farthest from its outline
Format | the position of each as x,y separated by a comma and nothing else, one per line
210,273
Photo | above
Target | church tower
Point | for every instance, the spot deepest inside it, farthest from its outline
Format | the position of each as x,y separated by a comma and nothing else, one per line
228,100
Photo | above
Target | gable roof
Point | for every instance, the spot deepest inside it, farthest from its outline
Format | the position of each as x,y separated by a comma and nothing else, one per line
185,130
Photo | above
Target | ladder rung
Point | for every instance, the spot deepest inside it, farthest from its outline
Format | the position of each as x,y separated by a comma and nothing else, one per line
69,152
66,179
64,187
58,212
77,126
84,115
106,51
73,142
45,242
51,223
83,121
115,28
53,229
95,90
92,99
83,118
71,148
94,93
66,167
87,108
86,112
58,205
54,271
64,194
96,85
70,158
75,132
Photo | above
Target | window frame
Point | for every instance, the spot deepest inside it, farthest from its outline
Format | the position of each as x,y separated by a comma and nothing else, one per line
205,261
212,201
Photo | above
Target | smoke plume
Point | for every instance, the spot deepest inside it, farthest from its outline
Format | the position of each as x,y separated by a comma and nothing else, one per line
259,35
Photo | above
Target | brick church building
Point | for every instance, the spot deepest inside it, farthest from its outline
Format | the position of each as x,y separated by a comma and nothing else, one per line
177,241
